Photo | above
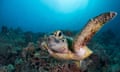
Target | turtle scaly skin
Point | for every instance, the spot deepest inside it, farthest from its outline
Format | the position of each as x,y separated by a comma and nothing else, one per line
55,43
89,31
91,28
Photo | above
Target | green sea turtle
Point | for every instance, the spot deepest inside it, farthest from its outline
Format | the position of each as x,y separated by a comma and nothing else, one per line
63,47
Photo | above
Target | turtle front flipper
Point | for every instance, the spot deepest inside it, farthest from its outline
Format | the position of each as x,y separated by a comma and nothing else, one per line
88,32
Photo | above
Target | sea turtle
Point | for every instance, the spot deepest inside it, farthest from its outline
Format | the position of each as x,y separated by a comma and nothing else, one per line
63,47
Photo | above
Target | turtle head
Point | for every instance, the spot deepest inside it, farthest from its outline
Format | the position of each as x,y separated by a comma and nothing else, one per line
57,42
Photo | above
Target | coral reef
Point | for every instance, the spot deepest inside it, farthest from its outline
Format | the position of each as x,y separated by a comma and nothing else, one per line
21,52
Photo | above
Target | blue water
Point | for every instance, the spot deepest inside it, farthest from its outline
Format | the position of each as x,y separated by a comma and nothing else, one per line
18,46
45,15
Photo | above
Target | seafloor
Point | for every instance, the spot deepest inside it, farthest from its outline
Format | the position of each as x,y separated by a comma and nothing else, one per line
21,52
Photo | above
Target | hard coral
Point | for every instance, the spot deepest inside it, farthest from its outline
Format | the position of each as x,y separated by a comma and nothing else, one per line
28,51
65,68
28,37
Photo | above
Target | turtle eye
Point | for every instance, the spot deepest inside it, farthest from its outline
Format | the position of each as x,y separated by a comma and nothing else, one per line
59,34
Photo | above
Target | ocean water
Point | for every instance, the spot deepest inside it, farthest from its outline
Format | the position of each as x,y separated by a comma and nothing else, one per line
25,23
